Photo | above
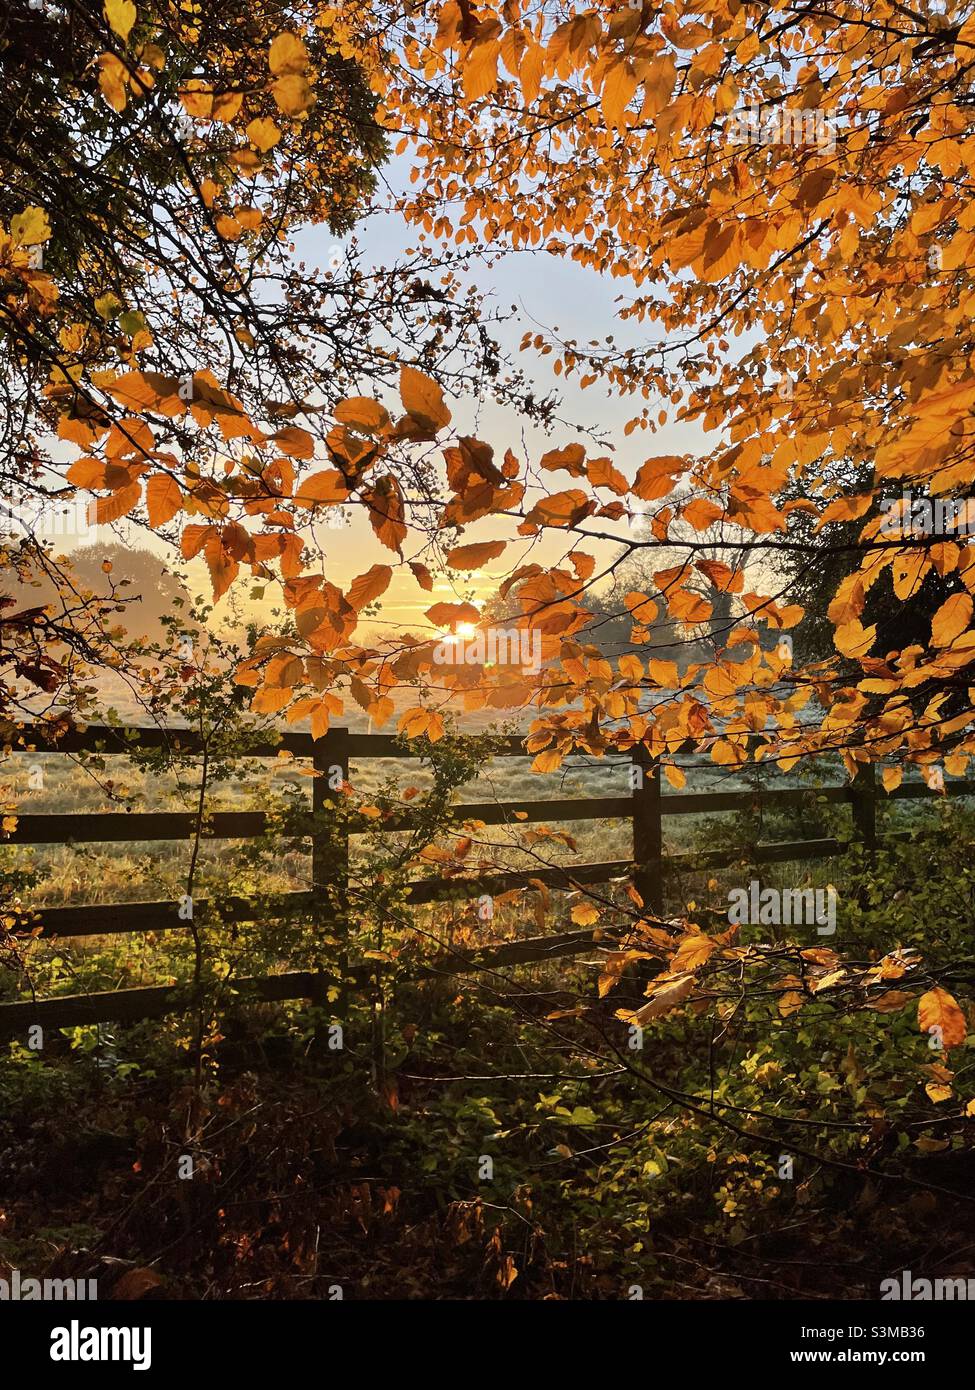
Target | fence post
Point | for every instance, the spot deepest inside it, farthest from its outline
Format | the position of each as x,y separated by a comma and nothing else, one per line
648,831
330,843
865,806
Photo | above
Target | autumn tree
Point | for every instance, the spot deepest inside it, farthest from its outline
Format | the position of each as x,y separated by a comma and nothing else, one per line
787,197
792,180
156,163
782,190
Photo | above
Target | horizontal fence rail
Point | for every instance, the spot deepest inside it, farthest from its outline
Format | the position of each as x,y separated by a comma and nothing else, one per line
645,807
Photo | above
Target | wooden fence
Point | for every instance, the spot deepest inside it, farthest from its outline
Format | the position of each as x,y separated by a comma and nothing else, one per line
645,808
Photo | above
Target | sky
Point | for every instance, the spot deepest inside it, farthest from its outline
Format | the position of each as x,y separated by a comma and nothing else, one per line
548,293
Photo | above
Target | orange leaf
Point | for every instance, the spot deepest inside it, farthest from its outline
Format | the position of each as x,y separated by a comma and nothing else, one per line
422,397
287,54
193,540
642,607
572,458
758,514
119,504
584,914
602,474
370,585
415,722
263,133
327,486
719,682
951,620
853,639
445,615
223,567
386,512
295,442
87,472
668,997
665,673
480,72
701,513
693,952
618,89
292,94
655,478
939,1016
163,499
422,575
561,509
548,761
362,413
472,557
689,607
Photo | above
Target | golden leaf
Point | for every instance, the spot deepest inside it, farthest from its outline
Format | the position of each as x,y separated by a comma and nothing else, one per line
618,89
118,504
472,557
327,486
584,914
113,79
287,54
292,94
667,997
369,586
548,761
422,397
121,16
263,133
693,952
30,227
163,499
951,620
362,413
938,1015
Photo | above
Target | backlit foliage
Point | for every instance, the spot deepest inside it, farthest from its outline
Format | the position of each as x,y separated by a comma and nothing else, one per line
782,198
